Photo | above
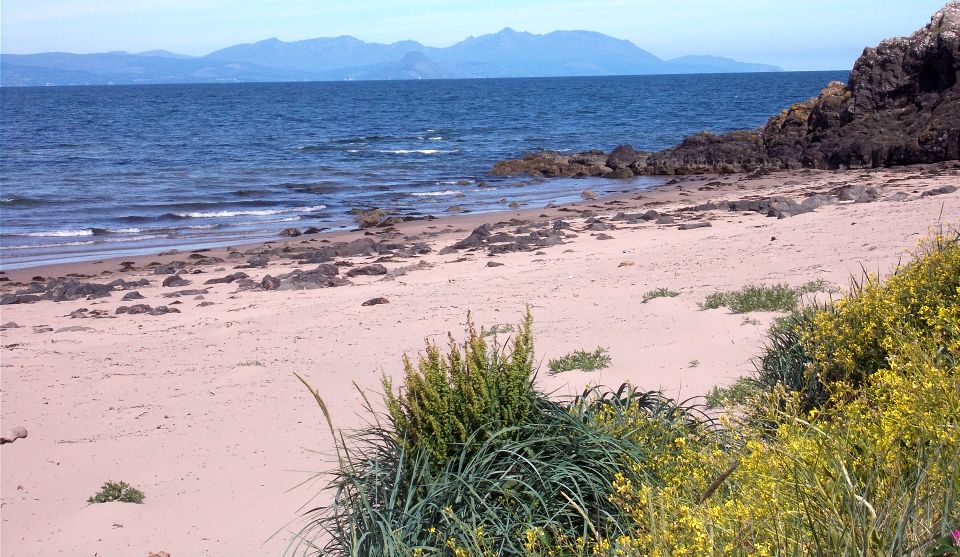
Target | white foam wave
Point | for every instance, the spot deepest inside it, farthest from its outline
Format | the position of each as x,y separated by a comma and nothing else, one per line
353,150
135,238
434,193
59,245
56,234
124,230
420,151
254,213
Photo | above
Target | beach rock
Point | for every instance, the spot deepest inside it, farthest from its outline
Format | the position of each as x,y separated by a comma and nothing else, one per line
258,261
13,434
228,279
621,157
128,285
162,310
205,304
367,270
476,238
186,292
270,283
169,268
693,225
175,281
290,232
857,194
375,302
816,201
665,219
10,325
620,174
939,191
78,313
324,276
603,236
514,205
134,309
58,290
494,264
132,296
358,247
588,195
368,218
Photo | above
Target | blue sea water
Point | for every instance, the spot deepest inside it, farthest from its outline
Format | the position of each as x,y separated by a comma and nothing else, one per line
91,172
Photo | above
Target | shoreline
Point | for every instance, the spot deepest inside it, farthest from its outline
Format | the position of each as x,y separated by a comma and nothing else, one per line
200,409
517,193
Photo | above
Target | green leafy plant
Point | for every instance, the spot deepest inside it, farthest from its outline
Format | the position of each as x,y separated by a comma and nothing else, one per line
582,360
117,491
447,398
779,297
740,392
659,293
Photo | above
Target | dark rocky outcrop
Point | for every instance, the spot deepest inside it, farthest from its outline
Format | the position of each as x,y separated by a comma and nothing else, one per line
227,279
67,289
367,270
146,309
899,107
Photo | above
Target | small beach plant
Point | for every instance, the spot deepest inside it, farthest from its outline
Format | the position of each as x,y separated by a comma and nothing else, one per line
659,293
582,360
779,297
117,491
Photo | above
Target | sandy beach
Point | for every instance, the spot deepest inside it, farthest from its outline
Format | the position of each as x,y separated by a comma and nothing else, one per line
200,409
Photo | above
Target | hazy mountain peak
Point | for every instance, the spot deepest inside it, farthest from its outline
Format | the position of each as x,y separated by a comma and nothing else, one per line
506,53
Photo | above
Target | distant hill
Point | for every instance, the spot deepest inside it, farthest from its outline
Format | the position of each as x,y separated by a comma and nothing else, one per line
508,53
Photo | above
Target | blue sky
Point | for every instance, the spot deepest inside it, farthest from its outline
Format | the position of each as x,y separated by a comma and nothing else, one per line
794,34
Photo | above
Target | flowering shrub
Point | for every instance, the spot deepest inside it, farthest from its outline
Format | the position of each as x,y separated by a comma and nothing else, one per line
875,471
919,303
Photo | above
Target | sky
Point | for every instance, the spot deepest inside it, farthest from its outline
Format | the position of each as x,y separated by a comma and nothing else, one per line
793,34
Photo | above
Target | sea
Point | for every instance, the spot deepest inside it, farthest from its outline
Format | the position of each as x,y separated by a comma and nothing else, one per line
100,171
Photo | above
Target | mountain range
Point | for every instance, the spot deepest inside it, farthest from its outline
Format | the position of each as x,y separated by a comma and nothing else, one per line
508,53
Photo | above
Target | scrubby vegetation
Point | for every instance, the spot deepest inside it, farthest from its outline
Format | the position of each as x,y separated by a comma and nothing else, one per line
844,442
659,293
779,297
117,491
582,360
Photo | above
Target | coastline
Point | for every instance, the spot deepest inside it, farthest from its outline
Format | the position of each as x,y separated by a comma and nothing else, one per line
200,408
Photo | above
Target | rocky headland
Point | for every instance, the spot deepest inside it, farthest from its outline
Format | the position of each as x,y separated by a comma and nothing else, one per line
900,106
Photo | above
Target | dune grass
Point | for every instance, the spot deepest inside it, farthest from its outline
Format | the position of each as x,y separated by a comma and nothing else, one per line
582,360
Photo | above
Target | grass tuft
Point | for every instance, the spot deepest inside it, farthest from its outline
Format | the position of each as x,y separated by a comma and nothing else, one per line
582,360
659,293
779,297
